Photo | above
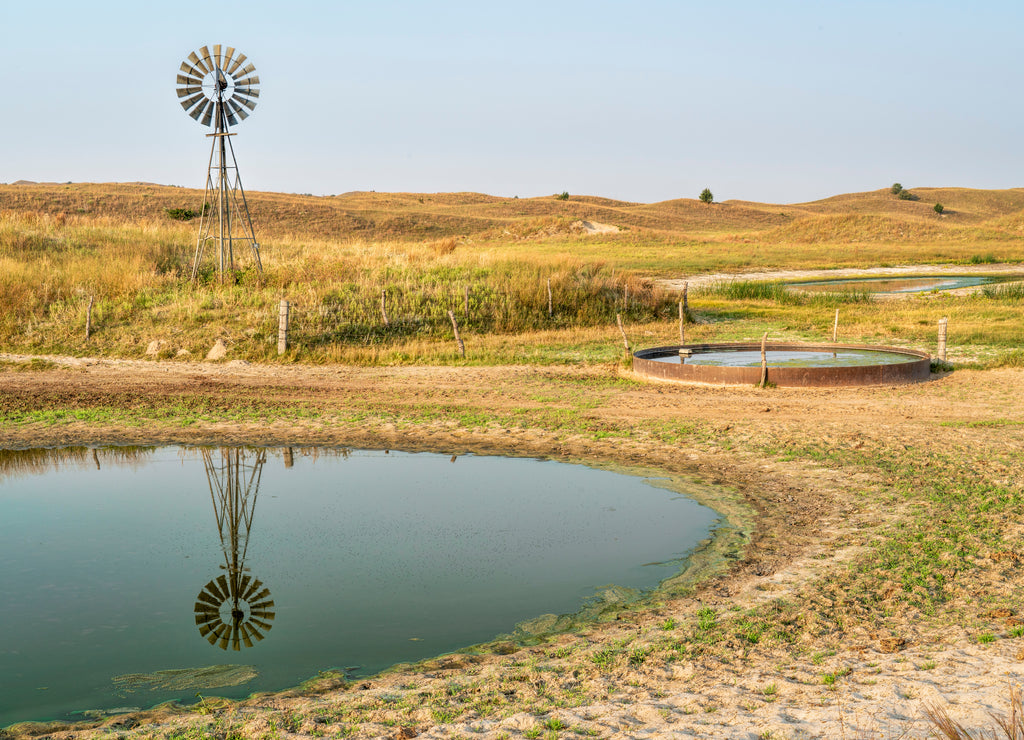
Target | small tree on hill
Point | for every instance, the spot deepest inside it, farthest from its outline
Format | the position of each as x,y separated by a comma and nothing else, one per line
896,188
706,196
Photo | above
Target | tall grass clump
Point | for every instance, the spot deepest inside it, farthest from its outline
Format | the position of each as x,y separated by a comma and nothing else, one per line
1004,292
761,290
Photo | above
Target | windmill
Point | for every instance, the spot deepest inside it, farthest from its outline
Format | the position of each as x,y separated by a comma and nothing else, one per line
220,90
234,608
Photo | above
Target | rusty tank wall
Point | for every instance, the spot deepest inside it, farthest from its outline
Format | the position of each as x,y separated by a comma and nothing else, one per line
916,369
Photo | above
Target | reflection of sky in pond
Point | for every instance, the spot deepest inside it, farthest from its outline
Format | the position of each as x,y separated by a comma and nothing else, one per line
909,284
371,560
791,358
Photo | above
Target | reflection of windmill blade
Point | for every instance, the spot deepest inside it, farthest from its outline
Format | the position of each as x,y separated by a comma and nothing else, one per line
239,60
261,595
266,627
206,617
224,587
246,635
225,638
235,637
205,629
214,590
212,602
247,103
243,587
268,604
215,633
198,63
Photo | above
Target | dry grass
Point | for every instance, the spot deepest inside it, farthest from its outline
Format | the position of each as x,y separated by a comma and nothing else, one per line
60,244
1007,726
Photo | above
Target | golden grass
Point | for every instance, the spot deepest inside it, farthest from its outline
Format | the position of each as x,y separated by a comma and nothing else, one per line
62,244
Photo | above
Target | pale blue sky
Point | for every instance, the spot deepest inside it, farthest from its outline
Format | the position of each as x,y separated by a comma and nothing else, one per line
780,101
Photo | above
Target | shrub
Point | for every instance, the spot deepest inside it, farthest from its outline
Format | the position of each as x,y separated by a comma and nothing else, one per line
896,188
181,214
906,195
938,208
563,196
706,196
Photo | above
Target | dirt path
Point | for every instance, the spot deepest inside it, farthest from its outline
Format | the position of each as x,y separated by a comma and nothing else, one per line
809,524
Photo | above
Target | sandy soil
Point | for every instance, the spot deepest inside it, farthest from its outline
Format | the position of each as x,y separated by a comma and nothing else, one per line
808,523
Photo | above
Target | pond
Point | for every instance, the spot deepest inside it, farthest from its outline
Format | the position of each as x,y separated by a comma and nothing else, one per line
903,284
131,577
790,358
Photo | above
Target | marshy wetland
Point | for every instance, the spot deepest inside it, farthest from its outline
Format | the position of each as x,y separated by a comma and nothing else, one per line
880,571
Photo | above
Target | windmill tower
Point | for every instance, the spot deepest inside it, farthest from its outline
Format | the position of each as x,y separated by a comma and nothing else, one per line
220,90
234,608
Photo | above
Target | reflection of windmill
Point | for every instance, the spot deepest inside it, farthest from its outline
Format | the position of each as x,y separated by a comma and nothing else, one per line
234,608
220,90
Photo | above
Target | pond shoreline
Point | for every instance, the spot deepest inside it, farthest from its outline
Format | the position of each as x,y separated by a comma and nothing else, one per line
656,668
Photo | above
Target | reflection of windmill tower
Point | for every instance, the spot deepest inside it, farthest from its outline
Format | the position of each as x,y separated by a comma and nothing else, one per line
219,90
234,608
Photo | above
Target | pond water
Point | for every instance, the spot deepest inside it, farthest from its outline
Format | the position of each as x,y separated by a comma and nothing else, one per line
791,358
906,284
136,576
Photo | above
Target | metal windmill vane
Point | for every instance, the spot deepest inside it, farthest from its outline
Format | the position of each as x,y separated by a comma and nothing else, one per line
220,89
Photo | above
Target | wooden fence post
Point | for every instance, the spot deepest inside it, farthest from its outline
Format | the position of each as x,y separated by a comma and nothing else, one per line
466,303
88,318
835,328
458,339
943,322
625,342
282,327
384,306
764,361
682,318
686,302
551,310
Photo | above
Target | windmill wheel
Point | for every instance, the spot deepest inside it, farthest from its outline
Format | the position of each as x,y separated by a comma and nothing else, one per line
206,79
229,615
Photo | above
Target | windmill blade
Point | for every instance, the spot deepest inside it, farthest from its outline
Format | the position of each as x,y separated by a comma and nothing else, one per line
204,54
189,90
248,81
229,59
230,115
247,69
191,70
186,104
216,57
208,116
252,92
247,103
188,80
198,110
239,60
237,110
198,63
